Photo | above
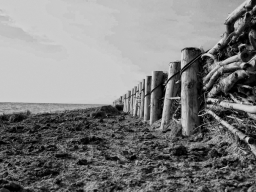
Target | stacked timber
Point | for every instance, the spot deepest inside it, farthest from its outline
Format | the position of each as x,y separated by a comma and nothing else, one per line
229,81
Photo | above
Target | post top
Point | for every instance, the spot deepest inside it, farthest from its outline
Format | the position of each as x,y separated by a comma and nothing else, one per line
174,62
190,48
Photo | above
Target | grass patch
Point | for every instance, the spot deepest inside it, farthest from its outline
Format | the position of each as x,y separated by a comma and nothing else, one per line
15,117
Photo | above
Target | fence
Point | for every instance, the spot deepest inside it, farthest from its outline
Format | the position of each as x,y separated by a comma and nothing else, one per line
235,54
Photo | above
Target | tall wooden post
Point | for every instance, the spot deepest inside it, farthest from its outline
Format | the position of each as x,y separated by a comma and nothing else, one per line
128,101
172,89
134,100
156,95
189,91
124,103
131,108
142,93
147,98
139,99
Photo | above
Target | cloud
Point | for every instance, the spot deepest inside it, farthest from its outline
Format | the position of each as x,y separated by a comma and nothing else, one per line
4,18
9,29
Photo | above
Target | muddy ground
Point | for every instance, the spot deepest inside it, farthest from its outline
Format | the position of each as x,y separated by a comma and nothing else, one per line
71,151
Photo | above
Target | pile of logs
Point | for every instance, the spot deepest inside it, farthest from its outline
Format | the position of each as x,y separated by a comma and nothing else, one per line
230,70
232,60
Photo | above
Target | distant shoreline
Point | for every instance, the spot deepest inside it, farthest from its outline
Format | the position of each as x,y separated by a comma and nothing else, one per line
15,107
55,103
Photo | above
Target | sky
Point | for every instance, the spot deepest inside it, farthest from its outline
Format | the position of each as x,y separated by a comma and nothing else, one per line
94,51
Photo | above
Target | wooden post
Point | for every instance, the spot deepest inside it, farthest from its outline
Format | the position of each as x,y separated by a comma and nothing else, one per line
120,100
142,94
131,107
147,98
189,92
128,101
172,89
124,103
134,100
156,95
139,99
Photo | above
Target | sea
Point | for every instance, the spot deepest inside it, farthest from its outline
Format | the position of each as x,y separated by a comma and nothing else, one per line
9,107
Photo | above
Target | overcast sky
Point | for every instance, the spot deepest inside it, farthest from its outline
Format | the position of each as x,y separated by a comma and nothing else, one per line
93,51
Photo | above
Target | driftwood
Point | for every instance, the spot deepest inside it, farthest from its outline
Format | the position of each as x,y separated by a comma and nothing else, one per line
209,55
239,11
214,107
250,141
237,106
252,116
217,46
227,83
222,69
235,34
243,56
247,6
252,37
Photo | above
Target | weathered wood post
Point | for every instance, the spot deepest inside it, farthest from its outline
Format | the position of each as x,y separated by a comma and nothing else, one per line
123,102
139,99
128,101
147,98
172,89
189,91
134,100
131,108
142,94
156,95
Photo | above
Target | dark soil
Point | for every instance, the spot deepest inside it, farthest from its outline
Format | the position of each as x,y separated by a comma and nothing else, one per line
76,151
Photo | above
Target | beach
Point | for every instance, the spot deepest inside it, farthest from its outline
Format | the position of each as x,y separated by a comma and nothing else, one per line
79,151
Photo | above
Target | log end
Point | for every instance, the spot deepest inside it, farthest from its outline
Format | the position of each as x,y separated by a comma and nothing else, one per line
251,140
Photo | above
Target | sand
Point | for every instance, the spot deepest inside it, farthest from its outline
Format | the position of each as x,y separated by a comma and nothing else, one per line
76,151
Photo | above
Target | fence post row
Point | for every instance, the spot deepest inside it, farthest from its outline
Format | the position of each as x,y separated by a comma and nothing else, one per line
144,100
